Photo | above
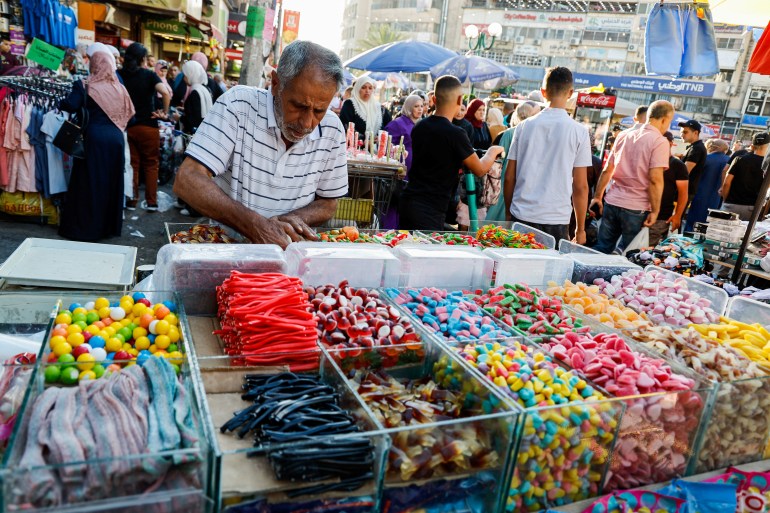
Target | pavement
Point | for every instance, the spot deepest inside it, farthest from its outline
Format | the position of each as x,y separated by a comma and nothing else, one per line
142,229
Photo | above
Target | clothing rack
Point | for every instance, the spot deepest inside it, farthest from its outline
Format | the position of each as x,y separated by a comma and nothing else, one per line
45,87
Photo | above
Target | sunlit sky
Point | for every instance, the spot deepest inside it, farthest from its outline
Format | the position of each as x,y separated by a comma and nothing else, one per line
320,21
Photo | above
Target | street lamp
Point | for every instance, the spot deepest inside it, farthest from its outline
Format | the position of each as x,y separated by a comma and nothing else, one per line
472,32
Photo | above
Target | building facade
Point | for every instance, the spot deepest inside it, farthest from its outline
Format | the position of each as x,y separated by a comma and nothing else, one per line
602,42
435,21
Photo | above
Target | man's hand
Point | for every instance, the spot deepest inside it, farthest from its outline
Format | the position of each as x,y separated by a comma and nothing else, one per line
298,227
273,231
580,237
159,114
495,150
675,222
651,218
595,201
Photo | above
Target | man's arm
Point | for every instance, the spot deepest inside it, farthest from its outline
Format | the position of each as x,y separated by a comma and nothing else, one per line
690,166
655,192
508,186
601,185
681,203
726,186
580,201
481,166
194,185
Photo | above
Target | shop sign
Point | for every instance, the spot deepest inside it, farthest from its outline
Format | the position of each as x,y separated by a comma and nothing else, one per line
615,23
762,121
548,18
168,5
44,54
268,31
234,54
528,50
255,20
724,28
86,36
290,29
108,40
647,84
596,101
172,27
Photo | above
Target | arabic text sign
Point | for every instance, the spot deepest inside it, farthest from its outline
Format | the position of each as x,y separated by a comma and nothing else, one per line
44,54
648,84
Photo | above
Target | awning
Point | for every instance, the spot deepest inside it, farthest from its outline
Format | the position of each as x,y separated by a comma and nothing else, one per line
754,13
172,27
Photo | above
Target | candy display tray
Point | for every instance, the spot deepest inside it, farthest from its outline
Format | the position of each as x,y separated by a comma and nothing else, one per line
174,228
241,472
487,417
165,498
720,412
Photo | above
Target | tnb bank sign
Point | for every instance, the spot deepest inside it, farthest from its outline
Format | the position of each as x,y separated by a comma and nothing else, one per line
649,85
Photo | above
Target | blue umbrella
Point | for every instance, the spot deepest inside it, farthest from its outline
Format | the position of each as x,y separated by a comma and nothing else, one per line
348,76
391,79
474,69
407,56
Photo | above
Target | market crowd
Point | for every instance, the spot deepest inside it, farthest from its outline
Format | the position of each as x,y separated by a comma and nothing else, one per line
272,162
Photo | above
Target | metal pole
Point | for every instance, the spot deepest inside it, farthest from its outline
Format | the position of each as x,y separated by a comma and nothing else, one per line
253,59
750,227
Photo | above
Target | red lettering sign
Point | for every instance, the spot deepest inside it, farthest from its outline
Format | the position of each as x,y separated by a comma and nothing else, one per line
232,26
597,101
233,54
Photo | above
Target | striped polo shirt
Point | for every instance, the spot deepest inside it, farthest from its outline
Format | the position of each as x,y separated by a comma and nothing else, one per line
241,144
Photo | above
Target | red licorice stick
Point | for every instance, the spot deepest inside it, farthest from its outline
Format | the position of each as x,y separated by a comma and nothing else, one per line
267,319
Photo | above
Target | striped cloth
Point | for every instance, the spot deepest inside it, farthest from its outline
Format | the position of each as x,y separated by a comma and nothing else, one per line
240,143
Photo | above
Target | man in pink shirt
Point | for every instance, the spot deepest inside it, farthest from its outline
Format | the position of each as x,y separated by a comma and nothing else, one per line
634,172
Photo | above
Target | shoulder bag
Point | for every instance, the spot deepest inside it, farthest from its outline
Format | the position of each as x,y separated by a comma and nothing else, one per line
71,136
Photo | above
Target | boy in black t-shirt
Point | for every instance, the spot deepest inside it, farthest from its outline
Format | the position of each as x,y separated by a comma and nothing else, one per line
744,179
439,149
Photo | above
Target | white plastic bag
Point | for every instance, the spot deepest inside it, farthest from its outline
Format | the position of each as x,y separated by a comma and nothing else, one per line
642,240
765,263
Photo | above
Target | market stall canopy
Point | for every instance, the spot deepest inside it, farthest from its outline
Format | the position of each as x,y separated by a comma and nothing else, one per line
349,77
476,70
622,107
408,56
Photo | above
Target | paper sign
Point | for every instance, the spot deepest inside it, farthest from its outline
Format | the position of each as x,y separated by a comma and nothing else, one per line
44,54
255,20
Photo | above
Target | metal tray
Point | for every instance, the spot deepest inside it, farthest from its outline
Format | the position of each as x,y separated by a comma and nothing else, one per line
70,265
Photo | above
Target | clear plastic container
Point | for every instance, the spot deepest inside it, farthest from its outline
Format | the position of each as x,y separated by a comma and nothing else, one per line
717,296
449,267
169,480
242,473
362,265
566,247
461,459
535,267
195,270
588,266
748,310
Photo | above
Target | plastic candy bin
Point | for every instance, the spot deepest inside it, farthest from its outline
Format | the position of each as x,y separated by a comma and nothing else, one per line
450,267
362,265
195,270
535,267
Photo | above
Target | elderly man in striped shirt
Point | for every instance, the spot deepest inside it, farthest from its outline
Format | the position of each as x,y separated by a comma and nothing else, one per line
271,164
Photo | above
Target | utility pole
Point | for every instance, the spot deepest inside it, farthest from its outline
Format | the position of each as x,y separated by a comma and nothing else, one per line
253,57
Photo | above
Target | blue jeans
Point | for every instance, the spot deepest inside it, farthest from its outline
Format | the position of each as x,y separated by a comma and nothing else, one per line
618,222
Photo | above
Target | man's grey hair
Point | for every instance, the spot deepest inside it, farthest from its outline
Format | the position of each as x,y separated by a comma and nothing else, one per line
716,145
659,109
303,54
525,110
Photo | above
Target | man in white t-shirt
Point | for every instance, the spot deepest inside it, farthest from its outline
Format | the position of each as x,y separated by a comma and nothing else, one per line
277,158
546,177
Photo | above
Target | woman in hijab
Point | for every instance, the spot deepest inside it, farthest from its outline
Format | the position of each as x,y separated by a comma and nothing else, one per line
199,101
481,138
364,110
495,123
182,90
93,207
411,113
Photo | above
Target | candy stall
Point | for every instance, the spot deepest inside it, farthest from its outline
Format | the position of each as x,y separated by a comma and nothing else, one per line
384,371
